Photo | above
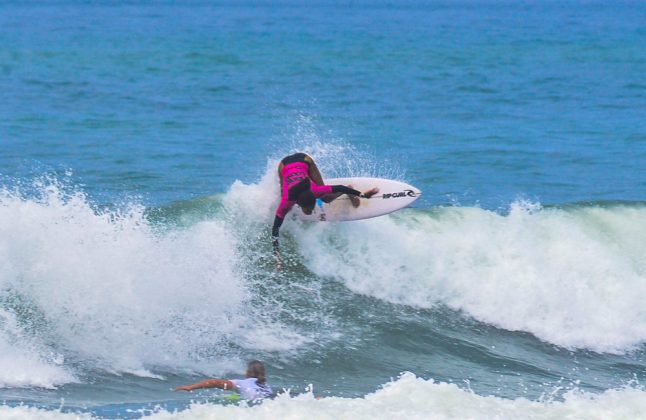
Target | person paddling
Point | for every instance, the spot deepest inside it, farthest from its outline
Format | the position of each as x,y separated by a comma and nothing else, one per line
253,387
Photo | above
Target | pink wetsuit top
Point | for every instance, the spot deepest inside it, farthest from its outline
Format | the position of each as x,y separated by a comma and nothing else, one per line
293,173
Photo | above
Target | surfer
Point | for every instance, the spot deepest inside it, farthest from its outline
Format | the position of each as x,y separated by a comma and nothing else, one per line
253,387
301,183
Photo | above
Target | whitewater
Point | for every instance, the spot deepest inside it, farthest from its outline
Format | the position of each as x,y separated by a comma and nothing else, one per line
408,397
190,289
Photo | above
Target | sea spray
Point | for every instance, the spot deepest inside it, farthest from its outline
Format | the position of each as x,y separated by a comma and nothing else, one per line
26,363
573,277
109,291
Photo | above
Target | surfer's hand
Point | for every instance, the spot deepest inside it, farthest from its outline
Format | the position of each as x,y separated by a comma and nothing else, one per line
279,263
371,192
183,388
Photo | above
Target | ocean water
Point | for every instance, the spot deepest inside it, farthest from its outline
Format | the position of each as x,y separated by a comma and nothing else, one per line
139,143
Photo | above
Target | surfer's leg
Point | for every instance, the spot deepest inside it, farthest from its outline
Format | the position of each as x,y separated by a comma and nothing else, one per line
313,172
354,199
328,198
371,192
331,197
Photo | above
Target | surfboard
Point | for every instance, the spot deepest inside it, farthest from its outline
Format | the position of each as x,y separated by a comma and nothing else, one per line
392,196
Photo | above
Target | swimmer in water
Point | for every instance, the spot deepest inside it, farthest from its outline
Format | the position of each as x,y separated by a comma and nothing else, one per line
301,183
253,387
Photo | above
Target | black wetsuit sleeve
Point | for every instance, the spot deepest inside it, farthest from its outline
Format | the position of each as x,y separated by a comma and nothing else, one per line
275,231
345,190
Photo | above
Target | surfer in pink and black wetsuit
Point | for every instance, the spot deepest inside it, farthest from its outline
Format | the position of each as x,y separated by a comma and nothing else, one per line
301,183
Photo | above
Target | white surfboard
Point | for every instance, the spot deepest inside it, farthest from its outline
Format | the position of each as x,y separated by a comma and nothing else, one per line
392,196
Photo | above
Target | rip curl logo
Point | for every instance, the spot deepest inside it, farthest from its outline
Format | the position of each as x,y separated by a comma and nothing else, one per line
405,193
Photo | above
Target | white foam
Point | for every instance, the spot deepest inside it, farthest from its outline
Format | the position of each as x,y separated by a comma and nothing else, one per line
414,398
113,293
576,278
28,413
409,397
23,363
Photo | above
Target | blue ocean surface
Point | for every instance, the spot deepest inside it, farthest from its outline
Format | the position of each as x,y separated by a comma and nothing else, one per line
139,143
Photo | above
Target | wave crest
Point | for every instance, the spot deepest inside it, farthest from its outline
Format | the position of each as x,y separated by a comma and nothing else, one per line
574,277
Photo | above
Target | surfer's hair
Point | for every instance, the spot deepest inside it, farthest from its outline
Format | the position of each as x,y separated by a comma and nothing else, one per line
255,369
306,199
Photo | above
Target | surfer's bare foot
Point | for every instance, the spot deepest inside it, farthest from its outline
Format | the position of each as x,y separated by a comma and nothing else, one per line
371,192
354,199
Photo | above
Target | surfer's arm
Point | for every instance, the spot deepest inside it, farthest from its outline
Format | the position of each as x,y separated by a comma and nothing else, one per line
283,208
278,221
209,383
275,231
